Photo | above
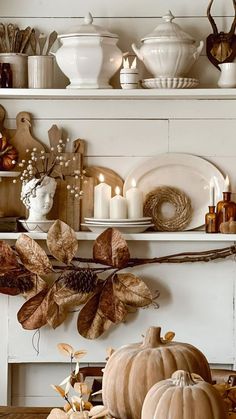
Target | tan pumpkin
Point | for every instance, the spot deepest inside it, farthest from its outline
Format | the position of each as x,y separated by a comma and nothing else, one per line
133,369
183,396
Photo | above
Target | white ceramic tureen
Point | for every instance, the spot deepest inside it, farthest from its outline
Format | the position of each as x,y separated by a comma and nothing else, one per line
168,51
89,56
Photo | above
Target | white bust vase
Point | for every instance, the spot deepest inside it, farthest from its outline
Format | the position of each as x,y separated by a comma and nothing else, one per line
37,195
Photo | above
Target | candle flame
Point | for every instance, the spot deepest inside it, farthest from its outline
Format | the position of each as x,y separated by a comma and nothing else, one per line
133,183
125,63
117,190
101,178
134,63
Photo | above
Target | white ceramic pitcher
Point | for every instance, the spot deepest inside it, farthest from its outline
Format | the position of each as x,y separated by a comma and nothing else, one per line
228,75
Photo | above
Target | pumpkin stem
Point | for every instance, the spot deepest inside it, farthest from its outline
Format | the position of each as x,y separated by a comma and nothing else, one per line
153,337
183,378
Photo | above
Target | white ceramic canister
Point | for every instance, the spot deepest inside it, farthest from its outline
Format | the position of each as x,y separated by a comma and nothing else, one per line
40,71
228,75
168,51
18,63
89,56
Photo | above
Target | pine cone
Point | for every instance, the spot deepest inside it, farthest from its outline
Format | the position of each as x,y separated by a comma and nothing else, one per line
80,280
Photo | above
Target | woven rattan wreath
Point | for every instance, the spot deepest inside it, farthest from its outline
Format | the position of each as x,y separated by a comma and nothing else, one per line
181,203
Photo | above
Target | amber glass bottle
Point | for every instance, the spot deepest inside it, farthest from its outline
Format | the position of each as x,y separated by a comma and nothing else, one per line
211,220
226,209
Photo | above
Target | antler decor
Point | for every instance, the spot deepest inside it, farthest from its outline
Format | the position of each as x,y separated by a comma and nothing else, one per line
221,46
107,293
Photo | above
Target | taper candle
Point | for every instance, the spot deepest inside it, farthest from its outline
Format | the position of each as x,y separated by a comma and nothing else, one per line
212,193
226,188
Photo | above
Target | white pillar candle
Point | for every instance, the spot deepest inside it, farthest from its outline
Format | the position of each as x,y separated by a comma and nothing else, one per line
118,206
212,193
102,196
134,201
226,188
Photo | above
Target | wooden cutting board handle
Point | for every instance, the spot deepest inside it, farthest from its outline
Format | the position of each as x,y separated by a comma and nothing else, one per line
23,139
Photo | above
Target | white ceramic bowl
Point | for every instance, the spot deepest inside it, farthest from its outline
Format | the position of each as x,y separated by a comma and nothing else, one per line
39,226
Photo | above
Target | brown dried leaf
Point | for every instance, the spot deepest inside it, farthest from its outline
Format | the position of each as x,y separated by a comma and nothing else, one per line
91,321
111,306
55,314
82,388
8,260
110,248
169,336
38,285
65,349
62,242
33,314
59,390
69,298
132,290
32,255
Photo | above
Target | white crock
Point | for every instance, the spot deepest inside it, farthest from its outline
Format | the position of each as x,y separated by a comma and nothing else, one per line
89,56
168,51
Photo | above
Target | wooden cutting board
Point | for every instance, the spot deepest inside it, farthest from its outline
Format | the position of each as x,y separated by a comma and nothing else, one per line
21,138
90,181
65,206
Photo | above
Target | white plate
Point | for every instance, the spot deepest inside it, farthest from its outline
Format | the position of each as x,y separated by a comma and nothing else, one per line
122,229
189,173
170,83
122,224
118,220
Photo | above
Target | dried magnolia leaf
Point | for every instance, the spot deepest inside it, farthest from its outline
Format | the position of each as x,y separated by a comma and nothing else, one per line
16,281
32,255
38,285
65,349
8,260
55,314
132,290
112,308
33,314
169,336
69,298
62,242
110,248
91,321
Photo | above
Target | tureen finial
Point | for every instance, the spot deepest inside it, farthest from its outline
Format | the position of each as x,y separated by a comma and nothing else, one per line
168,17
88,19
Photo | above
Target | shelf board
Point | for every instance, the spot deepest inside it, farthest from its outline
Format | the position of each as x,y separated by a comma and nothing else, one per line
188,236
119,94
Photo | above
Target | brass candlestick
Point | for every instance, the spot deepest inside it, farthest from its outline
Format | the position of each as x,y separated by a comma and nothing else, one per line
211,220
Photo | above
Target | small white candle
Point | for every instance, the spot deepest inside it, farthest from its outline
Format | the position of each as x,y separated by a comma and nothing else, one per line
129,75
226,188
118,206
212,193
102,196
134,201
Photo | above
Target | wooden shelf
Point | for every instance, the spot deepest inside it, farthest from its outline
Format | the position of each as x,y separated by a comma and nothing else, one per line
119,94
188,236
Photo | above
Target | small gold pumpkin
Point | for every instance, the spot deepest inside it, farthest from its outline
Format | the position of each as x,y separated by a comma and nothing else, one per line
183,396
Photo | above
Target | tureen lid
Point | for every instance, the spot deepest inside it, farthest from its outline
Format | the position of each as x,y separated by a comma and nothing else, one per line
168,30
88,29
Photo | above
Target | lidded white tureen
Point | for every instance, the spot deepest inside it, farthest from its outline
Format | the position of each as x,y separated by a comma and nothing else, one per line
89,56
168,51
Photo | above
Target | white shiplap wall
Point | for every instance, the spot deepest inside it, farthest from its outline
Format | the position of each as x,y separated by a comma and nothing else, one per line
196,301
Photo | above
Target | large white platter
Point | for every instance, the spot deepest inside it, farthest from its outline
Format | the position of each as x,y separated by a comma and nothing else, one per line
189,173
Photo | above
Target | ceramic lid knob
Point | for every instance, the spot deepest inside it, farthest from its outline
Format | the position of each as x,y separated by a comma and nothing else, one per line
88,19
168,17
